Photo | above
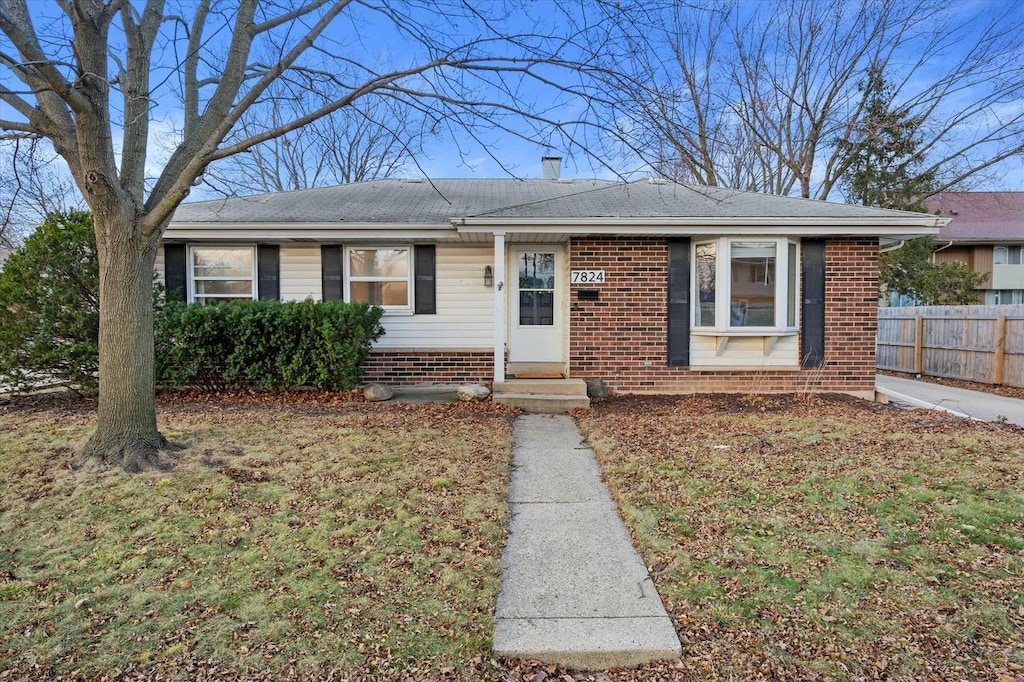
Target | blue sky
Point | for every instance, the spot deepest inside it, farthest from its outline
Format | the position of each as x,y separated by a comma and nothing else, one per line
523,158
365,35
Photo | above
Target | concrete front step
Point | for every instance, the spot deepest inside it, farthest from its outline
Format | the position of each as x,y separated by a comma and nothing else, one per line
544,403
576,387
588,643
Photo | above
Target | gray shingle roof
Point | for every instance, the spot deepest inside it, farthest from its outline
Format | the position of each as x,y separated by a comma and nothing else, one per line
436,202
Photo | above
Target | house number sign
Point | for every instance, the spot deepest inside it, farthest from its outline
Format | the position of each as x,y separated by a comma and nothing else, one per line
587,277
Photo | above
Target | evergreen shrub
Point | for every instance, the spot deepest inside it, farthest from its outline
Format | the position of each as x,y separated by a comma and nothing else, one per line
265,344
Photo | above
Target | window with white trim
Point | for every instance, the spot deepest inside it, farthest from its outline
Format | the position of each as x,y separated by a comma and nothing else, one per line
221,273
1008,255
381,275
745,284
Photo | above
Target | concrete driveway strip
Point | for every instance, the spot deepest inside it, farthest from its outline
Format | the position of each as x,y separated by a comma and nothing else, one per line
574,591
959,401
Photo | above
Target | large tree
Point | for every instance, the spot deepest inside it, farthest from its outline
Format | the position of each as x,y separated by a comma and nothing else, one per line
756,95
882,162
92,77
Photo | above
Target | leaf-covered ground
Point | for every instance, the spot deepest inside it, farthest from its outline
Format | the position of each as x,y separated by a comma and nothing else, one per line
822,538
308,536
293,538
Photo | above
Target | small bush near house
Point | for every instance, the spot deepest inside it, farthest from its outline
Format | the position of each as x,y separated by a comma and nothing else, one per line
267,344
49,306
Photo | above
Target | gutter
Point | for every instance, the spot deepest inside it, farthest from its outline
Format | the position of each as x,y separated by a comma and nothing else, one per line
894,224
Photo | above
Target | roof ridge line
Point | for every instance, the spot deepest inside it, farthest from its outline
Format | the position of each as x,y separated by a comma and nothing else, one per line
611,183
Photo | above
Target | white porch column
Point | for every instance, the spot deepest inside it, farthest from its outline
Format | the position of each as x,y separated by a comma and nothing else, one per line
499,306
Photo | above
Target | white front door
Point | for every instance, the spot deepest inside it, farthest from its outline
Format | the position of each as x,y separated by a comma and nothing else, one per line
535,304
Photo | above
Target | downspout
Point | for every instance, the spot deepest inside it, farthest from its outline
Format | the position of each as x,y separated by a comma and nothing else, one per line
935,251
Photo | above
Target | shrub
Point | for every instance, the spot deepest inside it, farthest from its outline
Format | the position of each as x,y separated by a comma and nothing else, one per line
266,344
49,306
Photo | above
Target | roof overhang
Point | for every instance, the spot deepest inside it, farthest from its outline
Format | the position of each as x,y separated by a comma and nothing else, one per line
307,232
889,228
898,227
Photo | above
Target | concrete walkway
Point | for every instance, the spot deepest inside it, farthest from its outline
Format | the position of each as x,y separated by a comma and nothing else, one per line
574,591
958,401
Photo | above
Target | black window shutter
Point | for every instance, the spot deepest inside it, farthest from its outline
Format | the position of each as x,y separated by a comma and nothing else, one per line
332,273
426,290
268,272
812,351
679,302
175,276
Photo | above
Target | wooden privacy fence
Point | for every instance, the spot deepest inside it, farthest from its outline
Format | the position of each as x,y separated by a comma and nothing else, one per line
974,342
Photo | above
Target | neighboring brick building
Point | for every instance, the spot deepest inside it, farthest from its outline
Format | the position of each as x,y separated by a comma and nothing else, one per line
985,233
651,286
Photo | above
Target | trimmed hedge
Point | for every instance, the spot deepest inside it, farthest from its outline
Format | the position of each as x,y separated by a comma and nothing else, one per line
266,344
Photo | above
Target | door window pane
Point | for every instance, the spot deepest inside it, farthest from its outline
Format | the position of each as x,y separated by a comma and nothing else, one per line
536,308
537,271
752,298
536,288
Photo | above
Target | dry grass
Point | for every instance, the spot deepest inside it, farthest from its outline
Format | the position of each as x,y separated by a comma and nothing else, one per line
824,539
288,540
316,538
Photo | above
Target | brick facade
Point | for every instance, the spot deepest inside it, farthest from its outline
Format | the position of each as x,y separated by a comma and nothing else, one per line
440,366
622,338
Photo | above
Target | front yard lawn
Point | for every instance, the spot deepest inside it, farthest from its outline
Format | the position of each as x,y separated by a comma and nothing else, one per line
307,537
823,538
291,539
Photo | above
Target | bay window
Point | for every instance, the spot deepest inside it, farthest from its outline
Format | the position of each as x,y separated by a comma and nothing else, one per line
745,284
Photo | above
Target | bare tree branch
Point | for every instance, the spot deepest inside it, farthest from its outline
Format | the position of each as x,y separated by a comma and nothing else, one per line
767,90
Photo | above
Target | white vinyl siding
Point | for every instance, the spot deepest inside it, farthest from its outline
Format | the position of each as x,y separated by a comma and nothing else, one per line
465,307
300,273
744,352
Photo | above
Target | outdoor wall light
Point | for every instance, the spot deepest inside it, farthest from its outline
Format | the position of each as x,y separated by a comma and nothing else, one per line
488,276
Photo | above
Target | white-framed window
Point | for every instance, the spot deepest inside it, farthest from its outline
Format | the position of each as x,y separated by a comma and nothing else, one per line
221,273
1008,255
381,275
745,284
1004,296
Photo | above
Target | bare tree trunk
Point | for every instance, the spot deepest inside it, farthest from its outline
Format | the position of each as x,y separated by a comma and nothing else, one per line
126,434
